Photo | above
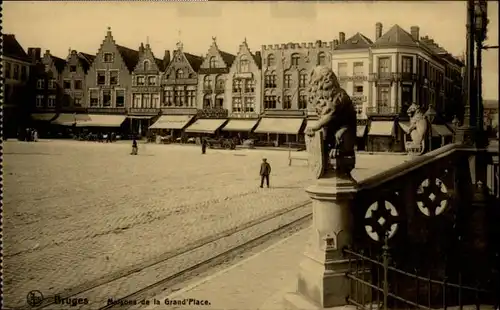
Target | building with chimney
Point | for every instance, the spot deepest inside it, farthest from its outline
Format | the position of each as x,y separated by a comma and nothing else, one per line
243,90
285,71
16,73
146,91
179,84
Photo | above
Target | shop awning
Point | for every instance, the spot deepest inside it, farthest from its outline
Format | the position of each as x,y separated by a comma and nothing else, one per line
381,128
441,131
103,121
139,117
310,123
67,119
43,116
289,126
360,131
172,122
405,126
240,125
206,125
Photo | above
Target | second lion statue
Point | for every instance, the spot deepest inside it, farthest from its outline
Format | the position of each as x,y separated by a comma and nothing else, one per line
337,120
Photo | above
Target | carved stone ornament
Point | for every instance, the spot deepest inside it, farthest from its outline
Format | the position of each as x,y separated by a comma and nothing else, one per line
315,150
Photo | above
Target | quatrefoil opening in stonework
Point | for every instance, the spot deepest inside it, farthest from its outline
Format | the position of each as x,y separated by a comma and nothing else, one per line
381,220
432,197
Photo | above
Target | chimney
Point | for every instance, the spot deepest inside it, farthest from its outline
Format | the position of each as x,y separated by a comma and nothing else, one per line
166,58
378,31
415,32
341,37
141,48
34,54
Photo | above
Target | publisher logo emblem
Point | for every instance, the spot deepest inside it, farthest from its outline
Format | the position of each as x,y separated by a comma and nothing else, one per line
34,298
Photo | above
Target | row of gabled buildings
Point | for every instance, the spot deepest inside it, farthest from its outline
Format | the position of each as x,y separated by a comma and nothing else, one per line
263,92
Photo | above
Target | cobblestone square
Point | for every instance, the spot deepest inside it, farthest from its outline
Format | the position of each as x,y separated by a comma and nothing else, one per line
76,211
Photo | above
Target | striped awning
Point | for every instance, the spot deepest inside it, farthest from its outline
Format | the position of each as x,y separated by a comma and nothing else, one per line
206,125
67,119
172,122
43,116
381,128
240,125
103,121
279,125
441,131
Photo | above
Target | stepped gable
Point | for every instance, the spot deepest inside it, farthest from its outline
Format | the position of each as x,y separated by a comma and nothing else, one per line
194,61
129,56
356,41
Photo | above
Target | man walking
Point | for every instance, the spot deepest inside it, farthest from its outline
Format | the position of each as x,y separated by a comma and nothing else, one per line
134,147
265,171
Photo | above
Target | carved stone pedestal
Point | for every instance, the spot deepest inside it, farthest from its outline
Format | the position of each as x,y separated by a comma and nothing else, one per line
321,281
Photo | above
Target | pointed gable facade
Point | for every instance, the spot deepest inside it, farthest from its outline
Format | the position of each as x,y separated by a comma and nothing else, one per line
243,85
109,78
73,80
49,89
212,75
180,82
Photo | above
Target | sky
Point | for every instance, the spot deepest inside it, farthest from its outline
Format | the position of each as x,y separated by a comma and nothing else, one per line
59,26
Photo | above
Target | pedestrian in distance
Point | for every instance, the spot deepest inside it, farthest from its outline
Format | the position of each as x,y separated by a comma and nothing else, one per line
203,146
265,171
135,149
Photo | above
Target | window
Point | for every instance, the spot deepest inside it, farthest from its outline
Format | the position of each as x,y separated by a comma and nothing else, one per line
120,98
191,97
40,84
270,80
384,65
77,102
52,101
302,79
207,83
94,98
288,80
206,102
67,84
7,70
108,57
250,86
237,106
106,98
342,69
72,68
295,59
321,59
287,102
237,86
152,80
155,101
39,101
113,77
244,64
407,64
249,104
140,80
169,97
212,63
16,72
78,84
136,100
220,83
146,100
24,74
271,61
383,97
146,65
302,101
358,69
52,84
269,102
179,74
101,77
358,90
182,96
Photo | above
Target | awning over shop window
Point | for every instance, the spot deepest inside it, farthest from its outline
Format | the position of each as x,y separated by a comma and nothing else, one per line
67,119
441,131
139,117
206,125
172,122
43,116
240,125
360,131
381,128
103,121
289,126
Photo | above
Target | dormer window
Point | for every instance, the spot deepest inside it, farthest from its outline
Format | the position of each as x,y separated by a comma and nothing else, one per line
108,57
179,74
244,64
212,62
146,65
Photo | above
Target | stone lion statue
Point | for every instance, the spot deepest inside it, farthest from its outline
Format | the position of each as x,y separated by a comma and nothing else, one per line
418,131
337,118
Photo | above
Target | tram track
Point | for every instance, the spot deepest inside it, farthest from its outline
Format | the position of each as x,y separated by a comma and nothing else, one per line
147,279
